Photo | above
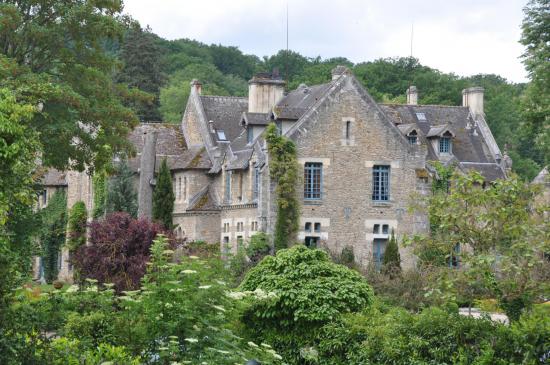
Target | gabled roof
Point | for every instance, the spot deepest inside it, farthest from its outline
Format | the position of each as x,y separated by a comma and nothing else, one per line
407,128
439,131
204,200
298,101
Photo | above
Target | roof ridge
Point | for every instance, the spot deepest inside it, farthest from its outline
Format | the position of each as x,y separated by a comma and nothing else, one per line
224,97
423,105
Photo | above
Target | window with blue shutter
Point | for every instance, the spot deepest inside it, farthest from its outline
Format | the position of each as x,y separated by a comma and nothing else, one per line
381,183
312,180
445,145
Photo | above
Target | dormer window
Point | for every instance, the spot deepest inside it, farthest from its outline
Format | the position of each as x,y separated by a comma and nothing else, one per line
221,135
445,145
413,137
249,135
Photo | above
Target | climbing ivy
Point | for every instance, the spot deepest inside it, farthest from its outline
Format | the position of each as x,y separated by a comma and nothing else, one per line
100,194
443,179
283,168
77,226
53,220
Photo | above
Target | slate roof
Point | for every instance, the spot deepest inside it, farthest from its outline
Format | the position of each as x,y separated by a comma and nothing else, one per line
170,145
255,118
490,171
204,200
54,177
298,101
225,112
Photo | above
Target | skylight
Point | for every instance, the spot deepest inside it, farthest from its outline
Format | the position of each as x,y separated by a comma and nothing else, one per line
221,135
421,116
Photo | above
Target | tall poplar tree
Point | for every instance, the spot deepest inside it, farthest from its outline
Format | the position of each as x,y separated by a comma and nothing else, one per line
163,197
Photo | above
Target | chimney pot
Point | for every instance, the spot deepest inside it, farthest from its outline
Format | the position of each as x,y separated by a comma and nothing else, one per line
473,98
197,86
264,91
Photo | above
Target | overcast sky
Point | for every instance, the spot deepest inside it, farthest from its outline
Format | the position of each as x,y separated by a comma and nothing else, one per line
466,37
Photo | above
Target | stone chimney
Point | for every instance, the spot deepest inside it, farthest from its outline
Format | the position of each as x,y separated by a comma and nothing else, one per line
412,95
339,71
197,86
147,174
264,91
473,98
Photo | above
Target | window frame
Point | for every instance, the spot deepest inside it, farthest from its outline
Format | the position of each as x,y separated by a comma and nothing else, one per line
249,135
381,186
313,181
227,187
256,184
445,145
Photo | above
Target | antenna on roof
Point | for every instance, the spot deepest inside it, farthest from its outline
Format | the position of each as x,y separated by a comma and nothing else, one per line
410,63
286,54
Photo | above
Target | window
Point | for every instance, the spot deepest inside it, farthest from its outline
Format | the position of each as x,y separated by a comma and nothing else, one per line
178,189
249,134
421,117
312,180
308,227
256,184
445,144
225,227
385,229
348,130
279,125
454,259
317,227
221,135
378,250
227,186
412,137
44,197
381,183
311,242
240,226
254,226
376,229
240,186
184,192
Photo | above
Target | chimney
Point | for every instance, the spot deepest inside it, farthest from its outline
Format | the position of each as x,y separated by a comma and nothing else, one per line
473,98
146,175
339,71
412,95
196,85
264,91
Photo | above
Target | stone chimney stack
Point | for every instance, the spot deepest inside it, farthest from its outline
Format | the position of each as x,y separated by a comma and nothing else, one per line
339,71
264,91
412,95
147,174
197,86
473,98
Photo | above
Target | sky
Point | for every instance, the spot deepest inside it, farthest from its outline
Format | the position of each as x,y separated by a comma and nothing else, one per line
465,37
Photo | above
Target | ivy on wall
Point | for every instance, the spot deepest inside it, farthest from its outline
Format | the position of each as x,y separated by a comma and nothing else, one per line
78,217
52,233
100,194
283,168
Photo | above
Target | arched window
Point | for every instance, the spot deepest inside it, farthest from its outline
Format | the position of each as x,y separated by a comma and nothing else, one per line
348,130
413,137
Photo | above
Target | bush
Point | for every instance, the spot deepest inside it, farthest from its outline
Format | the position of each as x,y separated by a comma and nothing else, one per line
78,217
91,328
118,250
258,247
53,230
309,291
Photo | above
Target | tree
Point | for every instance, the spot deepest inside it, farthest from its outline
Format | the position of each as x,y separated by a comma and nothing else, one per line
117,251
141,56
76,230
305,290
502,237
52,55
121,193
100,193
53,233
163,197
392,259
535,37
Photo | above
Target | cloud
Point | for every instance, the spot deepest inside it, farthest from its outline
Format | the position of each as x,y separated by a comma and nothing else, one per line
466,37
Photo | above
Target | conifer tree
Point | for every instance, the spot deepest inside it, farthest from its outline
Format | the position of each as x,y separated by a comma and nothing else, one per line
392,259
52,235
121,193
163,197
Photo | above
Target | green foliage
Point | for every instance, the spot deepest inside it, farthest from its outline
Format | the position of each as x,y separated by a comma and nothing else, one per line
503,237
100,193
121,193
258,247
53,55
434,336
283,169
306,290
392,259
141,55
163,197
92,329
77,223
53,233
64,351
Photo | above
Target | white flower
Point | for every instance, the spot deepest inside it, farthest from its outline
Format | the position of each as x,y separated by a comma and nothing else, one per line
252,344
192,340
72,289
194,257
205,286
188,272
221,282
265,345
236,295
222,309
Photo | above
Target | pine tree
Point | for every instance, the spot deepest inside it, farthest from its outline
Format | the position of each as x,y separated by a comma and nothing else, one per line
163,197
141,56
392,259
121,193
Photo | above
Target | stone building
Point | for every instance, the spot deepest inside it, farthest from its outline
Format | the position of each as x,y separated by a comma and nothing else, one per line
362,162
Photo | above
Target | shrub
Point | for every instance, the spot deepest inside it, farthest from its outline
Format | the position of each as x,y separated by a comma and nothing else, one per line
53,233
392,259
258,247
121,192
91,328
78,217
163,197
118,250
309,291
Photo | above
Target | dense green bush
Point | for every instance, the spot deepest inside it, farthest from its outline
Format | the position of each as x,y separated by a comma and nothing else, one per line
258,247
53,230
308,290
434,336
163,197
78,216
